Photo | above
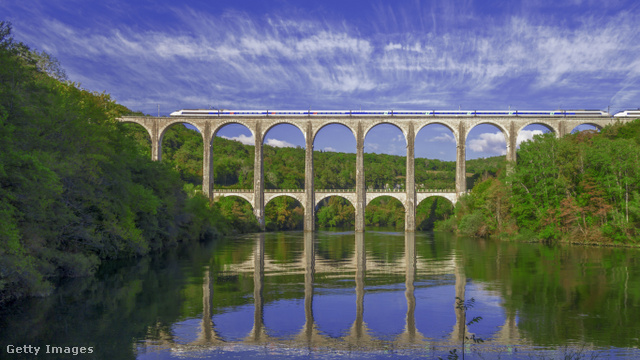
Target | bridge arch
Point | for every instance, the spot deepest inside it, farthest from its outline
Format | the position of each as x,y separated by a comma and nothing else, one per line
274,123
500,127
248,197
401,126
222,124
575,126
284,211
481,141
386,174
544,123
276,176
400,196
140,123
337,211
162,130
322,196
383,210
451,128
532,129
232,164
299,197
450,199
333,122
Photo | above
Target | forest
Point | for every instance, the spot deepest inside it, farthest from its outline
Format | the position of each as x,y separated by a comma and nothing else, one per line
76,188
582,188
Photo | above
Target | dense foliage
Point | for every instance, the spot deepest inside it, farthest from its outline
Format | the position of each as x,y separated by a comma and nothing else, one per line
74,187
583,188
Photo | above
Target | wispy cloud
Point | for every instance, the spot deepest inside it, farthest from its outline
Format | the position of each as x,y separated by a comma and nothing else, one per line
444,137
408,57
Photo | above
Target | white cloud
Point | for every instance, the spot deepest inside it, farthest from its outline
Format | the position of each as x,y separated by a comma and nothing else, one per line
492,143
330,149
526,135
246,140
278,143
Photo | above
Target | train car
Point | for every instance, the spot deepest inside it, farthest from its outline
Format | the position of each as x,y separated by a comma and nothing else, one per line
443,113
628,113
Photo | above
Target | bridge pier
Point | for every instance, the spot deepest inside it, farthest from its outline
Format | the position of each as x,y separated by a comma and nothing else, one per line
258,176
361,201
310,202
410,181
207,161
461,171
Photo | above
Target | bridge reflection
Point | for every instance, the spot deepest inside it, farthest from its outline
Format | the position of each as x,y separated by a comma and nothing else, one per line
358,336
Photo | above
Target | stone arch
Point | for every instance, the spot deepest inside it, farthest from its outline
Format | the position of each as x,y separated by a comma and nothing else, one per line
520,132
270,178
388,215
448,126
595,125
299,197
224,167
167,125
452,201
400,196
322,196
343,214
292,217
489,146
248,197
331,170
552,127
504,131
220,125
275,123
402,129
333,122
131,121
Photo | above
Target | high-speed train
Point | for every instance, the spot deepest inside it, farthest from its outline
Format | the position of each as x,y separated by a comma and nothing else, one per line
491,113
628,113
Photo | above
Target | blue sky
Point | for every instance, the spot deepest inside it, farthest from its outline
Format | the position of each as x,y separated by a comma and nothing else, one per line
256,54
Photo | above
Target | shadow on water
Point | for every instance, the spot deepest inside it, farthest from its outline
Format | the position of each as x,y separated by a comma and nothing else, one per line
378,294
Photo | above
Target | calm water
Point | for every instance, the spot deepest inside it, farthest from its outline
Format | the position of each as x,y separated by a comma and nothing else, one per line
344,295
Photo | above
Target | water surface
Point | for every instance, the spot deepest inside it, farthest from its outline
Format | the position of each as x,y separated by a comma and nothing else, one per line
340,294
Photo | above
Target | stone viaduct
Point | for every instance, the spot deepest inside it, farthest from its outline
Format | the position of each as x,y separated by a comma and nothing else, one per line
359,125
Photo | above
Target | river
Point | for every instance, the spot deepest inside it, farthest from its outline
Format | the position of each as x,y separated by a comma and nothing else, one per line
329,294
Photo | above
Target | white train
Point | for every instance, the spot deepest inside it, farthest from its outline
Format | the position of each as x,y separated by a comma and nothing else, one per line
628,113
485,113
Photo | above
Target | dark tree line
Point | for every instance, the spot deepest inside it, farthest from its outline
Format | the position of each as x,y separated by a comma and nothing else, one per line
76,187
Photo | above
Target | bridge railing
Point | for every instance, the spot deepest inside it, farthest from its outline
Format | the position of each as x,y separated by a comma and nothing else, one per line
333,190
284,190
435,190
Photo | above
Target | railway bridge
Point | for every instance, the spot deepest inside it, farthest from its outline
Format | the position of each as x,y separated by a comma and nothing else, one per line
460,124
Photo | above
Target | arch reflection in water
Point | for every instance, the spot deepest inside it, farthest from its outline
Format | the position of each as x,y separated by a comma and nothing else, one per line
337,286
